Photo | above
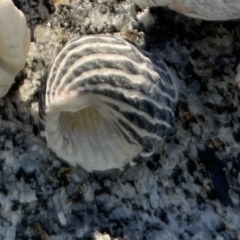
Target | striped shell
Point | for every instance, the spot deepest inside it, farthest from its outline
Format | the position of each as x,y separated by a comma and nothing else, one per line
104,101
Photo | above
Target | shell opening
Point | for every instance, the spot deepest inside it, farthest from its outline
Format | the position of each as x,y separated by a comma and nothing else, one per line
88,137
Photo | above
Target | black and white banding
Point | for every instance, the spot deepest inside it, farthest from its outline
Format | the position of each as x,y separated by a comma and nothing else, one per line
104,101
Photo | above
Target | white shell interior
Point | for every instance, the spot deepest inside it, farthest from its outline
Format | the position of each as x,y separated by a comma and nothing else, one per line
89,139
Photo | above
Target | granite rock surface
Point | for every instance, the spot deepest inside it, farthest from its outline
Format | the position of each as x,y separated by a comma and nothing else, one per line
191,190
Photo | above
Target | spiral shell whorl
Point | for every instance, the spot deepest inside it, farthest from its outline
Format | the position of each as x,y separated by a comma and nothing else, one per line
104,100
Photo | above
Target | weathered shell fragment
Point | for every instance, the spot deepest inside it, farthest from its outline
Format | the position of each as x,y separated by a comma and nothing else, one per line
14,44
202,9
104,101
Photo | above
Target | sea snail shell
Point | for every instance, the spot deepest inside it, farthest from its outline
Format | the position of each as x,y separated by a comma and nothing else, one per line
104,101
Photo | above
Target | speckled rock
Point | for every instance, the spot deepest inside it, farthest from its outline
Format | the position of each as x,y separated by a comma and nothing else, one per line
189,191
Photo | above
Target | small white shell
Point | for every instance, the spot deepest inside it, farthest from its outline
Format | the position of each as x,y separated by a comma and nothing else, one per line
14,44
104,101
201,9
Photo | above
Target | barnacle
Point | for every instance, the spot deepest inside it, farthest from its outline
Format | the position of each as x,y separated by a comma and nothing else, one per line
14,44
204,9
104,101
